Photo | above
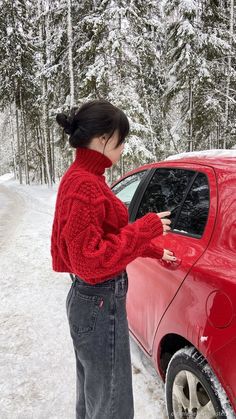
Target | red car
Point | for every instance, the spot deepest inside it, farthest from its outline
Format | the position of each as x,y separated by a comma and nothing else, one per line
183,313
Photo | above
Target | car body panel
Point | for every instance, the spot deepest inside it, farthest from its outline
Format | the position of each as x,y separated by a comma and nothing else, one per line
224,241
190,316
195,300
221,362
157,281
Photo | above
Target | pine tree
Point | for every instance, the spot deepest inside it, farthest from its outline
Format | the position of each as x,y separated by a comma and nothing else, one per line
116,57
17,70
169,65
197,49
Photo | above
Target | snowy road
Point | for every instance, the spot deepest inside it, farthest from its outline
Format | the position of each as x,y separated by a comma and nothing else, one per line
37,369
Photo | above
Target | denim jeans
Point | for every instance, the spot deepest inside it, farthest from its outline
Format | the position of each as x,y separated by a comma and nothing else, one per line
99,330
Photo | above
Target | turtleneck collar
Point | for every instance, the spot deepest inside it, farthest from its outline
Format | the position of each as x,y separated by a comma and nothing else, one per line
91,160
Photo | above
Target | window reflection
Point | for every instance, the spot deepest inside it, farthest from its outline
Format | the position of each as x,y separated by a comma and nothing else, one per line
165,191
194,213
126,188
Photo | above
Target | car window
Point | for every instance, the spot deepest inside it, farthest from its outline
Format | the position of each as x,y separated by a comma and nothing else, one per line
166,191
194,212
126,188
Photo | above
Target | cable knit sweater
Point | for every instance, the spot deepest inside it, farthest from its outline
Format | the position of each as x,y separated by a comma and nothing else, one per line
91,236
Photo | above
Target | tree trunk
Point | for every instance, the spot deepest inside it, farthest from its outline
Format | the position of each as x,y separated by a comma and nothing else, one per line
18,145
40,156
70,62
190,116
53,155
25,142
43,27
227,133
218,136
12,145
70,54
146,104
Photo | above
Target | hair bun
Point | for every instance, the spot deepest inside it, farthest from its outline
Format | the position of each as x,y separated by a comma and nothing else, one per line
68,122
65,122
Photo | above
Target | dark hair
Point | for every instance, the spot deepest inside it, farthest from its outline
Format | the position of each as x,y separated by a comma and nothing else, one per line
93,118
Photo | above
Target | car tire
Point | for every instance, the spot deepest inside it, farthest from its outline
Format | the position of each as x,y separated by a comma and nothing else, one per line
192,389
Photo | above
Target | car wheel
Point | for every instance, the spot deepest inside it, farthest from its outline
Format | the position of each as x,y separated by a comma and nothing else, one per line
192,389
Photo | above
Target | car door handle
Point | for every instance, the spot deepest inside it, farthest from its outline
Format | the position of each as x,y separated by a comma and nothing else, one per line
170,265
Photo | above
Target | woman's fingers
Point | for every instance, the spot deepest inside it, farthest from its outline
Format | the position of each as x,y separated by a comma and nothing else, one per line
163,214
165,221
168,255
166,225
166,228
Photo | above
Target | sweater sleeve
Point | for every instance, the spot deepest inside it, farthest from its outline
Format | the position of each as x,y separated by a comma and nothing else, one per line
94,253
153,251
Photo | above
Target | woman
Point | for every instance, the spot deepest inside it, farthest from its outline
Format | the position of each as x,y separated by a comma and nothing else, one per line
92,239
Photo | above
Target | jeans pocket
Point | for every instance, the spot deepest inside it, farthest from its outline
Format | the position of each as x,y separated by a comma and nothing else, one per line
83,312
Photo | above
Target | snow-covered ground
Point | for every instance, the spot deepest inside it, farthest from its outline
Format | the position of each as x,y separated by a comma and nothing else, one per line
37,367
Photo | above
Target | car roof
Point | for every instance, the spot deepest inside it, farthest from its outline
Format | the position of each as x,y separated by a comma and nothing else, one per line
210,157
218,158
214,158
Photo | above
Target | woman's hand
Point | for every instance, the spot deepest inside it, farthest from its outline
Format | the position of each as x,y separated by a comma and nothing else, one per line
168,256
165,221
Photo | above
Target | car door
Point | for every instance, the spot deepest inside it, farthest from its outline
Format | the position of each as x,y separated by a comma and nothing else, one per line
190,192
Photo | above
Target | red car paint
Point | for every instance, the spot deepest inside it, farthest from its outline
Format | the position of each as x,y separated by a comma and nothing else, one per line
193,299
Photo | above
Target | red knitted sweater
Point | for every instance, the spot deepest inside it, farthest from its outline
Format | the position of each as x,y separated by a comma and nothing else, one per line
91,236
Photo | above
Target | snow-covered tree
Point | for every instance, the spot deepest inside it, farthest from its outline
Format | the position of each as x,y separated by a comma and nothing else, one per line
17,72
198,45
117,57
170,65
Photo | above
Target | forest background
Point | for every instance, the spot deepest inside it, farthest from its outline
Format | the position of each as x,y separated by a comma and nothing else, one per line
169,64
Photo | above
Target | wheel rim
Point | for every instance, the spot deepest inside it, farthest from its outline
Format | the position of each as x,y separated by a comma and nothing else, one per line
190,398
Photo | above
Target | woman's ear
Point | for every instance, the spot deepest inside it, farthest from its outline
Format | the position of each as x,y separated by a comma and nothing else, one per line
103,139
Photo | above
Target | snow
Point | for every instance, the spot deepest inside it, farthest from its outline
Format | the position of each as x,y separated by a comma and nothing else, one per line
203,338
188,5
5,177
9,31
205,153
37,366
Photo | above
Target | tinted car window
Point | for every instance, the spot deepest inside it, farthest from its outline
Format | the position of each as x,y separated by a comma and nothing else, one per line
126,188
194,212
165,191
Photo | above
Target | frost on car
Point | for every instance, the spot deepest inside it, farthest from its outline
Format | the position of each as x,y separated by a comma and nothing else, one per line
182,314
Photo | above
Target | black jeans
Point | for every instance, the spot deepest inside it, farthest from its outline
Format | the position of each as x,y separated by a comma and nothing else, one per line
99,330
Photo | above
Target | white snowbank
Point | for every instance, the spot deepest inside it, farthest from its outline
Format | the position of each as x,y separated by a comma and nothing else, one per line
6,176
